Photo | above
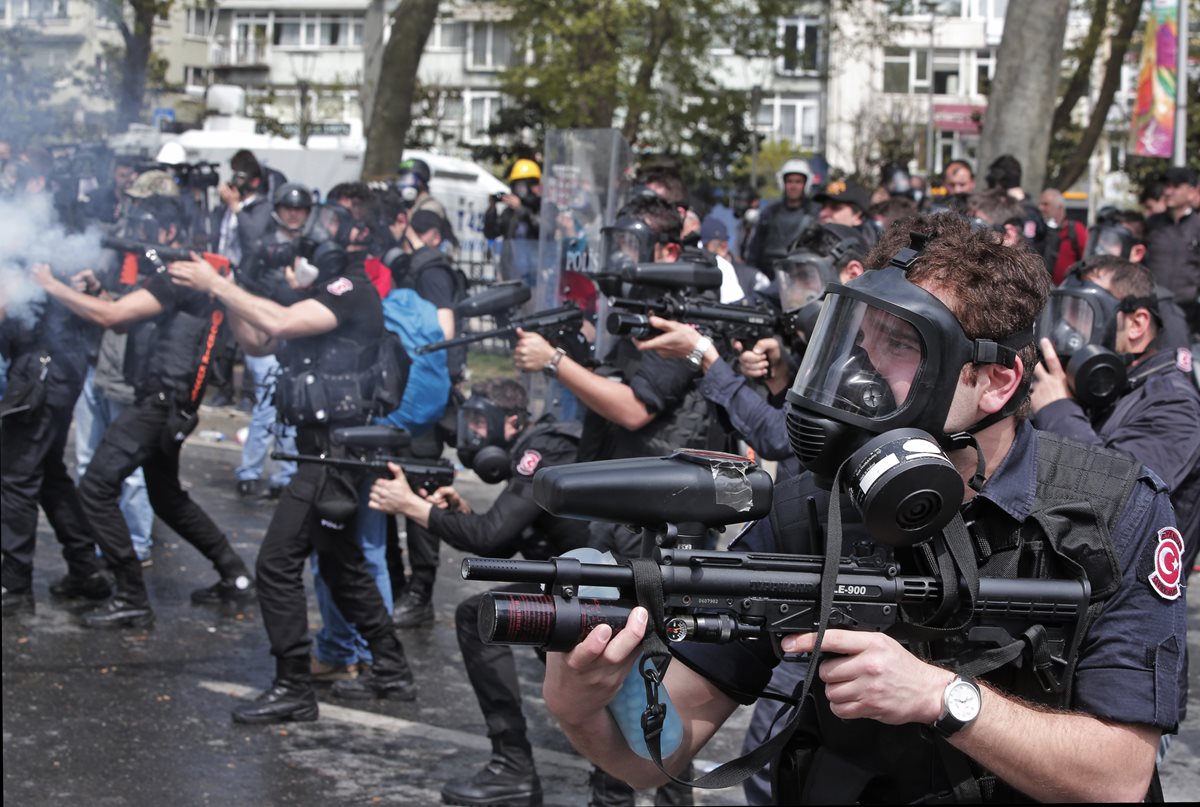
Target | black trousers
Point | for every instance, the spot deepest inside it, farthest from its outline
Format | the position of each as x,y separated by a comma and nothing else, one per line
297,529
491,668
32,472
135,440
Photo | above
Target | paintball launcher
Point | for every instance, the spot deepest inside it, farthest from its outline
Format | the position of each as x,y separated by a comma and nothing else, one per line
498,298
560,326
376,446
160,256
727,596
742,322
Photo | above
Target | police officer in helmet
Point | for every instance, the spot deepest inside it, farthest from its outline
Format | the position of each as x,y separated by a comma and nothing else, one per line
330,345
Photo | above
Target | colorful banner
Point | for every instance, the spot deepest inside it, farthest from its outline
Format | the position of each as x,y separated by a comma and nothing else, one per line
1154,106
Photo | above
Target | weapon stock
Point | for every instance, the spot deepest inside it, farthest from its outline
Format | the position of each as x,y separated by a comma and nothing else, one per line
426,476
560,326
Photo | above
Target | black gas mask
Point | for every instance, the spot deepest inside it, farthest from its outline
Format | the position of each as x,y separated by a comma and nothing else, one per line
623,246
481,444
410,185
869,404
321,250
1080,320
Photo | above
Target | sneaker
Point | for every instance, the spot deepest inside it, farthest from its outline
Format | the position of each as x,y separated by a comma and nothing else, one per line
413,610
273,492
235,590
323,673
246,488
119,612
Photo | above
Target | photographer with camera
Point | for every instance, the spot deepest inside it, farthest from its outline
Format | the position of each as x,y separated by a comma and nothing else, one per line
515,218
938,346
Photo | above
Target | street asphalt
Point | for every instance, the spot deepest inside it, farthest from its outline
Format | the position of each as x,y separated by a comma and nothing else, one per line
141,718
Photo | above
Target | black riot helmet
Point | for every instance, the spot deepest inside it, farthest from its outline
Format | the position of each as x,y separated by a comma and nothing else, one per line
624,244
1080,320
1110,239
873,393
413,180
323,242
293,194
481,444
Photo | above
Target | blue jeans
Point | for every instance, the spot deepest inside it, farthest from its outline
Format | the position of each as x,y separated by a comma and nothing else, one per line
94,413
337,642
264,428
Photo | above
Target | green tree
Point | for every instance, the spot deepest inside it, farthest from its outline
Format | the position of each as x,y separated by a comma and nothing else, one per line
643,67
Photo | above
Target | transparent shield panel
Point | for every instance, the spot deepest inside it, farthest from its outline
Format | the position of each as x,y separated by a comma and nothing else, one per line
861,360
1068,322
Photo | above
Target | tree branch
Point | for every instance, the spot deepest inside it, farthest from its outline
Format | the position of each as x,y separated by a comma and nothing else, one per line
1078,84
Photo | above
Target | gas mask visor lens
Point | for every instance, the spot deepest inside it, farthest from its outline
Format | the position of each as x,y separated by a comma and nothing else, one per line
472,428
622,250
861,360
801,280
142,226
1116,241
1068,321
324,224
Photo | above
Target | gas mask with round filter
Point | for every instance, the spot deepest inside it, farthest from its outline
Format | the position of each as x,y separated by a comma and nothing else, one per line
1080,320
868,408
321,249
481,444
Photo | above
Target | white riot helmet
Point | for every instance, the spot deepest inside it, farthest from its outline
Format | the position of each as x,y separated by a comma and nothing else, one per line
793,166
171,154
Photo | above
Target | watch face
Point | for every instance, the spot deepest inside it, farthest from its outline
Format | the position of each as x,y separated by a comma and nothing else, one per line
962,701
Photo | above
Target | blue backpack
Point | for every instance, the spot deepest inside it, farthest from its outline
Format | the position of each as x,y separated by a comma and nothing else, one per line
414,320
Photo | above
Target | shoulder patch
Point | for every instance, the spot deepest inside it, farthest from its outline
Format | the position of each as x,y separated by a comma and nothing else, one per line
1183,359
1168,564
340,286
529,462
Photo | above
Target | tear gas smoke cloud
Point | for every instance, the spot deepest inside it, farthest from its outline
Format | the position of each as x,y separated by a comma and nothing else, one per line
30,233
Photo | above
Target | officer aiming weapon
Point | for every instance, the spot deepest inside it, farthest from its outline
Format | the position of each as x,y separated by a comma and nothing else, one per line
376,447
560,326
160,256
726,596
733,322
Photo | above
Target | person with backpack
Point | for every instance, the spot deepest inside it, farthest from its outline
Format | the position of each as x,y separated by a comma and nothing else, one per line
424,268
1066,239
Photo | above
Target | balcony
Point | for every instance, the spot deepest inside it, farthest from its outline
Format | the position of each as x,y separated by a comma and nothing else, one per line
240,53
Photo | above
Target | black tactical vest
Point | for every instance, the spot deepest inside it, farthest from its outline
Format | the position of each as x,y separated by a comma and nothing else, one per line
331,381
1081,493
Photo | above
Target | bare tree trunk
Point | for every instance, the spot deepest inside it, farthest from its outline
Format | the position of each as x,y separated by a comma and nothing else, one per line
131,94
1074,166
1021,101
661,30
391,113
1078,84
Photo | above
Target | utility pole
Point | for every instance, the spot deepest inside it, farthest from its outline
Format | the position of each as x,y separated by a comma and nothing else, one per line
755,100
1181,82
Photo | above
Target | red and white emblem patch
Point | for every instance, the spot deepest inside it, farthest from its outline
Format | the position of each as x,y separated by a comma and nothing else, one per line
529,463
1168,564
339,287
1183,359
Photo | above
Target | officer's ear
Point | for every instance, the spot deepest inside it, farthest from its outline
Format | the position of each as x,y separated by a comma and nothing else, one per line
668,253
851,270
1137,253
1000,383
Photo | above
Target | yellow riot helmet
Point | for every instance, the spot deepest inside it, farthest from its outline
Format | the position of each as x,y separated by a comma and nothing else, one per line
524,169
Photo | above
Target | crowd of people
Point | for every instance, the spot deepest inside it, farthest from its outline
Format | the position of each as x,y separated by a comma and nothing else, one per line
1046,358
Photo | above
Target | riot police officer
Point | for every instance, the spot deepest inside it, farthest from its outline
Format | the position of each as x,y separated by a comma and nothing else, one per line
167,365
338,368
496,439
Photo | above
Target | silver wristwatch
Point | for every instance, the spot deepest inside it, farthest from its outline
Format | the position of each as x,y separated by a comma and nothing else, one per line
696,357
550,368
961,702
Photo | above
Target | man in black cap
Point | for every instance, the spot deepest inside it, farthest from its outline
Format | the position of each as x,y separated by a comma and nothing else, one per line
1173,242
847,203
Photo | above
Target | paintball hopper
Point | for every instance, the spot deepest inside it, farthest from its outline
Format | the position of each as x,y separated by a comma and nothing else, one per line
687,487
676,276
500,297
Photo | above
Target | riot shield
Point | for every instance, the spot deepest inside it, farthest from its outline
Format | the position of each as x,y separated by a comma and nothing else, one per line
586,178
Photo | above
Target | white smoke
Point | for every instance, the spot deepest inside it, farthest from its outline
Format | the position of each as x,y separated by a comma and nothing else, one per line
30,233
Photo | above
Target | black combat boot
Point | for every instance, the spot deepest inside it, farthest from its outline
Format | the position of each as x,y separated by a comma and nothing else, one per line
238,589
414,609
508,778
389,676
16,602
94,586
608,791
290,698
129,606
